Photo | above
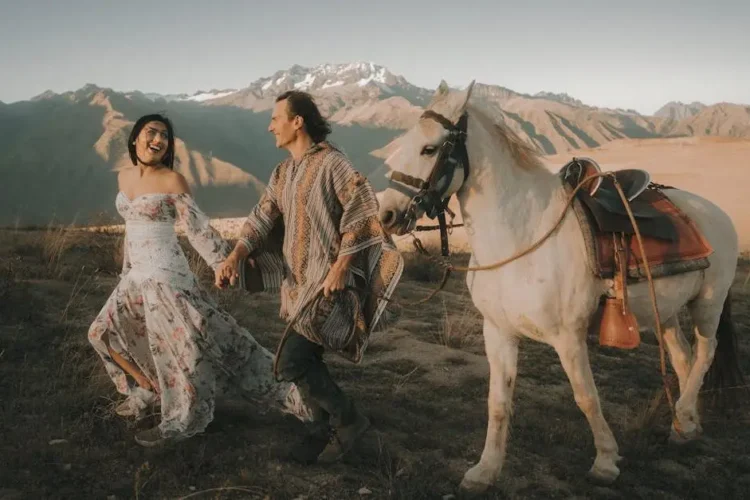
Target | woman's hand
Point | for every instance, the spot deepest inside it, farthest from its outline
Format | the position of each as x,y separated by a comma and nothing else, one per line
227,272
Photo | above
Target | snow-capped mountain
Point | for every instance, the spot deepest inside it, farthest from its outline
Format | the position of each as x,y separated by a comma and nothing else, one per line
153,96
199,96
207,95
334,86
362,92
328,76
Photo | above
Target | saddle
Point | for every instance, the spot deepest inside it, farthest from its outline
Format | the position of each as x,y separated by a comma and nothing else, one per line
672,242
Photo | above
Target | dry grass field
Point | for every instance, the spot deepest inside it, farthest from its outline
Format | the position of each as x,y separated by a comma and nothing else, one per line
424,383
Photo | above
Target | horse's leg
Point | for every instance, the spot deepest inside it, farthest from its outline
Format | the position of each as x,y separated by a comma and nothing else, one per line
573,353
705,314
502,355
678,348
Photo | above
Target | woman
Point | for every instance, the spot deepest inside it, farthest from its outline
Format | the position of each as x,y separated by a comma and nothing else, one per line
159,325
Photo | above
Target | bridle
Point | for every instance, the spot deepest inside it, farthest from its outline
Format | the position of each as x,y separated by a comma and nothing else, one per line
448,174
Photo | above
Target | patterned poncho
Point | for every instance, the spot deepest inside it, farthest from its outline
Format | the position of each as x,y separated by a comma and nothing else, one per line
311,212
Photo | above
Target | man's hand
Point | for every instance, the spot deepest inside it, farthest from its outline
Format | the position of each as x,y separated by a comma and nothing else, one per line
336,279
227,272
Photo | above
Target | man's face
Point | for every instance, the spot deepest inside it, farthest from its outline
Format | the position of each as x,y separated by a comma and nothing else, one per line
282,127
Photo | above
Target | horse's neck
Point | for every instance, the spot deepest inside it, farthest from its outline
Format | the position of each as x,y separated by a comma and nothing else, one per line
505,206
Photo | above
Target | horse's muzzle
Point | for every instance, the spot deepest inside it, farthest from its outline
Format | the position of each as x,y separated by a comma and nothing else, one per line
394,222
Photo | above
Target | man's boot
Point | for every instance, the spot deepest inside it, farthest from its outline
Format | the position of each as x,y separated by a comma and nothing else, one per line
344,437
347,423
318,434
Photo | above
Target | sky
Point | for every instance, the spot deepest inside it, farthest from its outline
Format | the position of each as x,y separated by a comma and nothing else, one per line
630,54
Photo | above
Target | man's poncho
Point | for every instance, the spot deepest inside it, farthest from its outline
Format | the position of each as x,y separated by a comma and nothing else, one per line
310,213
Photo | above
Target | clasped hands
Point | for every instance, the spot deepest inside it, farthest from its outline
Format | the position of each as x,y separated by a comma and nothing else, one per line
227,273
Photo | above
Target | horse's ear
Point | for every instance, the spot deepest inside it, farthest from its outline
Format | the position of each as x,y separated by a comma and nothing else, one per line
441,92
467,96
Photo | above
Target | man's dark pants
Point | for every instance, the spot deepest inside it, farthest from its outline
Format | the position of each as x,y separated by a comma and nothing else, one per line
301,362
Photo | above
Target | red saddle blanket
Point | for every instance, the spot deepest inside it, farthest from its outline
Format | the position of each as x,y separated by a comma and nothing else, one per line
672,242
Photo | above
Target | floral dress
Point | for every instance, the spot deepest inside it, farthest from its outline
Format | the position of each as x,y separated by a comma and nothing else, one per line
160,319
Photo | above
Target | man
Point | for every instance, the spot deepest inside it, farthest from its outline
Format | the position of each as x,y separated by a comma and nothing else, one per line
339,268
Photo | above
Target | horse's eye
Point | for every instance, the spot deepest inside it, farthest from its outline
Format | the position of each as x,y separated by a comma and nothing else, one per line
429,150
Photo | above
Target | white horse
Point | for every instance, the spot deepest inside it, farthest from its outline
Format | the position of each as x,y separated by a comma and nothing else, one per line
508,201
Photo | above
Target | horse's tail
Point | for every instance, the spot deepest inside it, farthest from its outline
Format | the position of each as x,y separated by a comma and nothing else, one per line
724,385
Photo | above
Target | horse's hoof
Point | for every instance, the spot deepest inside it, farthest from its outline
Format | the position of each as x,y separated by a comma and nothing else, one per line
470,489
473,483
684,437
603,476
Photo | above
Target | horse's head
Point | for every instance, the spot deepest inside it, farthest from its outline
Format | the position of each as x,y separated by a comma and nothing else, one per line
429,163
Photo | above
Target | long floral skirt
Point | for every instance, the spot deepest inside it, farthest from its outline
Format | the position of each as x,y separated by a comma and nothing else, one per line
189,349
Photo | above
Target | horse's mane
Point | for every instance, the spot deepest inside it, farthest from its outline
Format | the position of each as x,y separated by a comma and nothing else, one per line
524,154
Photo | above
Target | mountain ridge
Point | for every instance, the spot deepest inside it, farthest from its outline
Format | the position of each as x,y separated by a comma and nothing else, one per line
224,146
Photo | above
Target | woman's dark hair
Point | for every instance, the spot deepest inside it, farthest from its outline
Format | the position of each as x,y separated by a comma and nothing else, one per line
302,104
168,159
